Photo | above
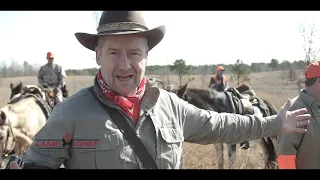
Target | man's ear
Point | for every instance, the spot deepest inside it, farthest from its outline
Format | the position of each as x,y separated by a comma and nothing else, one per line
147,53
98,61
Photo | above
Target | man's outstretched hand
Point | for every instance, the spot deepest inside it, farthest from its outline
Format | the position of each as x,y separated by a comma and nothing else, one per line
294,121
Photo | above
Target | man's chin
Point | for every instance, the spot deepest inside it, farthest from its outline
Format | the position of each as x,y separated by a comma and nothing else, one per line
125,91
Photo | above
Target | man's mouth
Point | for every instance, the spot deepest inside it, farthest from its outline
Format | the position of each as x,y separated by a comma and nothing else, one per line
124,78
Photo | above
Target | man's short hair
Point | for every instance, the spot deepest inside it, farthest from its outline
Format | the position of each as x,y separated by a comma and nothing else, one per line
310,81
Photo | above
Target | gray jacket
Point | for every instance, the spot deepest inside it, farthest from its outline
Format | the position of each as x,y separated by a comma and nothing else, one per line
166,121
53,75
304,146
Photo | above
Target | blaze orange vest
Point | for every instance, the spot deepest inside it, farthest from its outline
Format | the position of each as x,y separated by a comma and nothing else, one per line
224,79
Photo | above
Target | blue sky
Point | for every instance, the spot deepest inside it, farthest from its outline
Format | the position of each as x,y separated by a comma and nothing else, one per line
204,37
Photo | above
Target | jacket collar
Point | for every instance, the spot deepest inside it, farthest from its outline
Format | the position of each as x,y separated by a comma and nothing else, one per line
308,99
148,100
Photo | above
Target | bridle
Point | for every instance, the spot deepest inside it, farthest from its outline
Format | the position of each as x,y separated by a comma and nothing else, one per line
10,133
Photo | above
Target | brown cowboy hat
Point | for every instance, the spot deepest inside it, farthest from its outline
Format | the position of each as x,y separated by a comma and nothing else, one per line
121,23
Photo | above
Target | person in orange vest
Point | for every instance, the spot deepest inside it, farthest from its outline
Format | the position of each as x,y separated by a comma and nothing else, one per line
302,151
218,81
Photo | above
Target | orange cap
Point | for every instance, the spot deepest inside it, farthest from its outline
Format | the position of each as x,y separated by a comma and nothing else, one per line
220,68
313,70
50,55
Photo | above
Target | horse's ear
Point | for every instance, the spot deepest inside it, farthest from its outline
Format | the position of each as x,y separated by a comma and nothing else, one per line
181,91
11,85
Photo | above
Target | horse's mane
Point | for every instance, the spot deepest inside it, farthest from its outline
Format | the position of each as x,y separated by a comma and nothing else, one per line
204,98
204,94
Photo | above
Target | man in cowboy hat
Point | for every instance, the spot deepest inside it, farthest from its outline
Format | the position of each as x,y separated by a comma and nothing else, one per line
54,76
160,120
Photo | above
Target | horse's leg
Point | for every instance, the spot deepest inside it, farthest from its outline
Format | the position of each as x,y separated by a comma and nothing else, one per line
232,154
1,156
219,154
269,153
24,139
272,155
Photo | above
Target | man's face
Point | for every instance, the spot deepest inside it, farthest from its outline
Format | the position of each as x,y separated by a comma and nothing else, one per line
317,87
219,72
50,60
123,60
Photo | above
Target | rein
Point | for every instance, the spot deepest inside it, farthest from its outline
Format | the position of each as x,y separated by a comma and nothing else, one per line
10,133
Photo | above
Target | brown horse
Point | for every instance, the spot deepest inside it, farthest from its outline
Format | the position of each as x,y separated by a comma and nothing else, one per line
232,101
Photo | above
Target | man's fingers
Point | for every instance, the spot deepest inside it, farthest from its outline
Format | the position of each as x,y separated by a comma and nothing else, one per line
300,111
287,105
303,123
303,117
299,130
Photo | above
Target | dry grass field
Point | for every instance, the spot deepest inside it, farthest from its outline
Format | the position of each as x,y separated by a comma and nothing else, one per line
267,85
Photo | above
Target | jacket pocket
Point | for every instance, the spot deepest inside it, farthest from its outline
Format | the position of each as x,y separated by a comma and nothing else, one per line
103,154
170,147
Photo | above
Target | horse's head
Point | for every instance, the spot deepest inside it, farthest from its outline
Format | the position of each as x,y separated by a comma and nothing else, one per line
3,127
243,87
157,82
16,89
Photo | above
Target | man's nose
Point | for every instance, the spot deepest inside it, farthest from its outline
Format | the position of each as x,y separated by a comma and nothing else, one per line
124,63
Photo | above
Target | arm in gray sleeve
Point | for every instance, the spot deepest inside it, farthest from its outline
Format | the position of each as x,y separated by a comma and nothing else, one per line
207,127
54,128
62,77
40,76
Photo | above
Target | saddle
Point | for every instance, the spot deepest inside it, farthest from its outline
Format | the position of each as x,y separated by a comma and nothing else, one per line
256,101
48,95
39,95
241,104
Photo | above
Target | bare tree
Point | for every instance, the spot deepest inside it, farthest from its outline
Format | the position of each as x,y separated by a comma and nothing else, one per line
96,16
204,81
292,74
168,73
311,47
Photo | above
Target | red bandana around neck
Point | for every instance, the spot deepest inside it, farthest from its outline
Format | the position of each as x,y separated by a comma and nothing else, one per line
131,104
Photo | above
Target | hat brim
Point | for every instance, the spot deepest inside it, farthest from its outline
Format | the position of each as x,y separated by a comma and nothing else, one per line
154,36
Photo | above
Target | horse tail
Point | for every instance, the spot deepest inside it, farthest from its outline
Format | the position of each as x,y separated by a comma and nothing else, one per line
272,109
272,153
269,149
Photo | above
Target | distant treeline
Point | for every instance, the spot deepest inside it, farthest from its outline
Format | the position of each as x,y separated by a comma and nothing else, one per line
15,69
